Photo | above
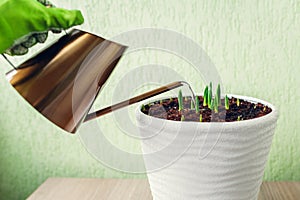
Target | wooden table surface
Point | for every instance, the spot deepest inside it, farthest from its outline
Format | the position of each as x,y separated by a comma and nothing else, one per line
135,189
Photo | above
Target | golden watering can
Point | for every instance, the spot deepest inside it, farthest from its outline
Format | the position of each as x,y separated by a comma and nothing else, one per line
63,81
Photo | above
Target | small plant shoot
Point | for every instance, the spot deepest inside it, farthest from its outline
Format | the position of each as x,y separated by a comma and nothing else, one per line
210,96
143,108
218,94
205,96
238,102
226,103
197,104
200,118
216,106
182,118
180,101
212,106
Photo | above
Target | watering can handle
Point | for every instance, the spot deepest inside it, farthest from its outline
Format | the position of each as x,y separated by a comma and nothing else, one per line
133,100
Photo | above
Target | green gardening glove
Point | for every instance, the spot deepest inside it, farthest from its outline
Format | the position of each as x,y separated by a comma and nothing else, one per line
25,22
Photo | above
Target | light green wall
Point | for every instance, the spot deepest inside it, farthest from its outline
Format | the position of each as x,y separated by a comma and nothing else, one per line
254,44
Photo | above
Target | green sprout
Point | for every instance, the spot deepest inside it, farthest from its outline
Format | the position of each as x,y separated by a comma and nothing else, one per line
192,104
143,108
210,96
239,118
216,106
180,101
200,118
226,103
182,118
212,104
205,96
197,104
171,99
265,108
161,101
218,95
238,102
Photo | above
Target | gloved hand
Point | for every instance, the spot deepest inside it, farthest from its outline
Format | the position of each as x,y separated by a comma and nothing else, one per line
25,22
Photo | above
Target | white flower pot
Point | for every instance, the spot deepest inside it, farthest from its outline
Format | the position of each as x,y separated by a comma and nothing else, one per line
207,160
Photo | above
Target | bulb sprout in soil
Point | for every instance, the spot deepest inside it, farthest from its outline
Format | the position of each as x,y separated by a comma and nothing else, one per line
210,97
161,101
200,118
180,101
238,102
212,105
216,106
143,107
171,99
182,118
239,118
205,96
218,94
197,104
226,103
264,109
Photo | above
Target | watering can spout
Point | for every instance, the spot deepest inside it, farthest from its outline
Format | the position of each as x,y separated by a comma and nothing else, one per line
62,81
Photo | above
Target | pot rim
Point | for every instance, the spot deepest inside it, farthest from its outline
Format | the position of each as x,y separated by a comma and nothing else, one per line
273,115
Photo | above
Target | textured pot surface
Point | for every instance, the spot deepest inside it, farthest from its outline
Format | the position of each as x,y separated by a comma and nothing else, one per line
218,161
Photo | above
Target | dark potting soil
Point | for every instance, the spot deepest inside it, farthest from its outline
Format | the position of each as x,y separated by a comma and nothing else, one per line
168,109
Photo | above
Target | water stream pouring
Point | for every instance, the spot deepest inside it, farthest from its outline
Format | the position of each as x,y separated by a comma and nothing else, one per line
47,79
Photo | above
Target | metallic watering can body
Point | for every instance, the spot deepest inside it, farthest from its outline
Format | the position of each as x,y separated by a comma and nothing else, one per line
63,81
